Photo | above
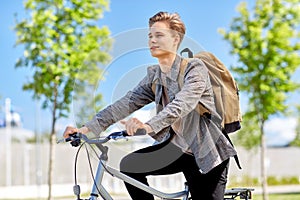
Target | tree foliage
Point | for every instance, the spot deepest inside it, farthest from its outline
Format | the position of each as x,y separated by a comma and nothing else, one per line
266,42
62,43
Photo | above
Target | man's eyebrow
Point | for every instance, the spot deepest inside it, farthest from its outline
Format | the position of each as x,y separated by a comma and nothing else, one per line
150,33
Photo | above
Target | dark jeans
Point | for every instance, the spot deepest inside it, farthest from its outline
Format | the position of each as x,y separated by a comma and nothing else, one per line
166,158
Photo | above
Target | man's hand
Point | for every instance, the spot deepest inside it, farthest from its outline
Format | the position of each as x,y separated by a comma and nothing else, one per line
70,130
133,124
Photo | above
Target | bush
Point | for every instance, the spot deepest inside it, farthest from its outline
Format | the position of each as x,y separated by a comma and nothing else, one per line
247,181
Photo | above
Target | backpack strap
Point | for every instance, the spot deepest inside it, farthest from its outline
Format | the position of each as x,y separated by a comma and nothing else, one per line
236,158
188,51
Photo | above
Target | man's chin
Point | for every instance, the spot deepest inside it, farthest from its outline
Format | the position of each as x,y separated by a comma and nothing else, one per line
158,53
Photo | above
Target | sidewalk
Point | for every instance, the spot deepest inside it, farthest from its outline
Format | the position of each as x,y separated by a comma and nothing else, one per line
62,191
65,191
34,191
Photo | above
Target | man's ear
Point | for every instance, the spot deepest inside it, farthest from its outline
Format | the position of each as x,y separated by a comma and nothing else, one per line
177,39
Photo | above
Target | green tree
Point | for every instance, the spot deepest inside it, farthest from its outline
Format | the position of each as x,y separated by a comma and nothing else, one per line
62,43
266,43
296,141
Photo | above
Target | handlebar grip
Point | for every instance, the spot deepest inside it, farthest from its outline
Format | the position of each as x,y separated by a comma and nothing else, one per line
124,133
141,131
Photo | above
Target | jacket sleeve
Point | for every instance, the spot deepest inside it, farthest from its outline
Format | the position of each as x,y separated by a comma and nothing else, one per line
195,84
135,99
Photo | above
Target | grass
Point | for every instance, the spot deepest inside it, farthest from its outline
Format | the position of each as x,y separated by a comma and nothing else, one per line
288,196
272,180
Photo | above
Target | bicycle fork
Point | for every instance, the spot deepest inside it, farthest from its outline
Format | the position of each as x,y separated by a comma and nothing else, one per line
98,188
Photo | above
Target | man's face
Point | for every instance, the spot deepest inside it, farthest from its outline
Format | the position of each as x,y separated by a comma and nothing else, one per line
161,40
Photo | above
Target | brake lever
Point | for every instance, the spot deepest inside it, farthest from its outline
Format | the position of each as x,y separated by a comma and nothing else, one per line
74,139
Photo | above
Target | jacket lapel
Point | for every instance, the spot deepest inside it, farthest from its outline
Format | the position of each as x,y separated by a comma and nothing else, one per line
172,87
172,79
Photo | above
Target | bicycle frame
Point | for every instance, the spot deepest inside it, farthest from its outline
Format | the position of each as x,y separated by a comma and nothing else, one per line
98,188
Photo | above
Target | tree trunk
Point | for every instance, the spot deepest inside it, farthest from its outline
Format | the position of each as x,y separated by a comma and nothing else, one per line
52,147
263,167
51,159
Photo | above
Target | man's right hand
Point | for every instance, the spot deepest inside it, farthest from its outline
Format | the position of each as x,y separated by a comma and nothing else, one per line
133,124
70,130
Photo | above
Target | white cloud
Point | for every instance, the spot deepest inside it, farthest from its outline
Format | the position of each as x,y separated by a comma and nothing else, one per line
280,131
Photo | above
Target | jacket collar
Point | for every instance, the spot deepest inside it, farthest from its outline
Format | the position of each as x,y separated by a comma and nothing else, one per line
172,74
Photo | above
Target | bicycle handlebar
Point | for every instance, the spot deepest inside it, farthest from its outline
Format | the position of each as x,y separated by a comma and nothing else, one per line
75,138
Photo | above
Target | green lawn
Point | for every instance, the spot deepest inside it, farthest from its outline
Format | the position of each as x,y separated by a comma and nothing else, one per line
295,196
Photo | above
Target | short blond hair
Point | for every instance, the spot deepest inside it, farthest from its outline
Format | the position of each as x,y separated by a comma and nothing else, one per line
173,20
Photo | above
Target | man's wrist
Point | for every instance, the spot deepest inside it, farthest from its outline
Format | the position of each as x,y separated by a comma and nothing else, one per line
148,128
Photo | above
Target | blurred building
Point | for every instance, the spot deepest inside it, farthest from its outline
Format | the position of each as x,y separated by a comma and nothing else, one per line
10,118
12,133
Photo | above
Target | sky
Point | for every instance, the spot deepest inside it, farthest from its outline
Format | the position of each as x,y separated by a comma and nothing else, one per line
127,21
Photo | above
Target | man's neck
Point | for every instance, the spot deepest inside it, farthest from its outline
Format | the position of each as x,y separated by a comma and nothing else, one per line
166,62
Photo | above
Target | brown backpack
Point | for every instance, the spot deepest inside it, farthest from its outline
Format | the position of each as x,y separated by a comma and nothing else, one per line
226,92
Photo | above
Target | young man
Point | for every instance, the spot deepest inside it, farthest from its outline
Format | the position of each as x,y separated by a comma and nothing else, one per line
187,142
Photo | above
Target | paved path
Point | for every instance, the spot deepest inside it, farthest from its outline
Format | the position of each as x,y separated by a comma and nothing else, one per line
63,191
66,191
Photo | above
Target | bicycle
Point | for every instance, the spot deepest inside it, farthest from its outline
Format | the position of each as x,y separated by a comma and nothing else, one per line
78,139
